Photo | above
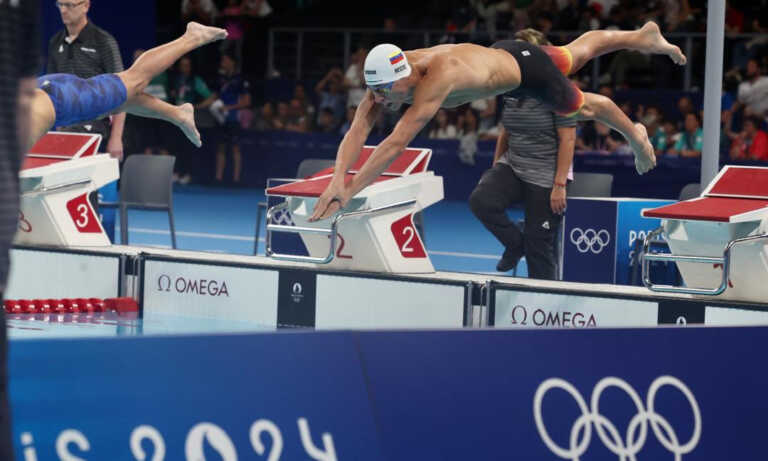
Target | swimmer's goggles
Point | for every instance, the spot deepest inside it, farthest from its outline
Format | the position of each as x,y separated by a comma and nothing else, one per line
383,89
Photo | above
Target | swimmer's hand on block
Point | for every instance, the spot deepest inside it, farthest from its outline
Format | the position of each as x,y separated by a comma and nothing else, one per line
330,201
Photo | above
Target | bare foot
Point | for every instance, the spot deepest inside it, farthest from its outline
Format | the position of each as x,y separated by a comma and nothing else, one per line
186,123
654,42
205,34
645,159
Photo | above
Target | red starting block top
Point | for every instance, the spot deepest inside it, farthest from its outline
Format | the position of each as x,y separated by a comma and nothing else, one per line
745,182
410,161
720,209
66,145
36,162
313,187
57,147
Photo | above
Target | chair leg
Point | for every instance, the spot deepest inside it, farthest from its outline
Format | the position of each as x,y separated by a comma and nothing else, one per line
123,225
259,213
172,227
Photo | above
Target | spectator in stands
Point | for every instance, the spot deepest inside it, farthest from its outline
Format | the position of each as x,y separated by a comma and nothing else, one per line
591,17
234,93
330,93
751,143
202,11
300,94
753,91
326,123
671,133
684,107
570,16
298,119
651,118
265,121
468,136
348,122
442,127
691,139
353,78
598,137
283,115
233,18
188,87
486,118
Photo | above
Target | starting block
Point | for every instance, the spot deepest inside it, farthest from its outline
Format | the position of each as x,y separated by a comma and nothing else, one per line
58,174
375,232
719,240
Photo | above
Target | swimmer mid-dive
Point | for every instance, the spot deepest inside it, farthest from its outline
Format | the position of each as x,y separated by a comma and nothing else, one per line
452,75
64,99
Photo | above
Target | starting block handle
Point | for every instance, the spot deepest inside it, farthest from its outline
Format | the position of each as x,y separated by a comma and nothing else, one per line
332,232
725,260
59,187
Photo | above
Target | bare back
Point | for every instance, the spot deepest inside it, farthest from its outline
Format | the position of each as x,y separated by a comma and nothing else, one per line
476,72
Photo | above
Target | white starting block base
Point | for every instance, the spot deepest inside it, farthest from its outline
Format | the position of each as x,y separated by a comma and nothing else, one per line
375,232
59,173
733,207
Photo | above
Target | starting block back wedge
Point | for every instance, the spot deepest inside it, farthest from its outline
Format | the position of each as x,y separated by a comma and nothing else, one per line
375,232
58,174
719,240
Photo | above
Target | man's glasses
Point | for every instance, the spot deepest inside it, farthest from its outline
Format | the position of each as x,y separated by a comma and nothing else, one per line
68,6
382,90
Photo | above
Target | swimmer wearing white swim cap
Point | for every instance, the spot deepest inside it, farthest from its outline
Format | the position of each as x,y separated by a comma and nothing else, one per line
453,75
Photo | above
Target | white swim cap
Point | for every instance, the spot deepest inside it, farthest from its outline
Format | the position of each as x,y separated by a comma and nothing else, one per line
385,63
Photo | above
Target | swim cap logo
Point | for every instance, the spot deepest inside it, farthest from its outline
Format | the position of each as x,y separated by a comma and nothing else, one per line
400,69
370,72
394,58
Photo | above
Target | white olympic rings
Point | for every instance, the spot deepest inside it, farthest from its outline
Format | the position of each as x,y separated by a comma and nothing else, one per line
625,450
590,240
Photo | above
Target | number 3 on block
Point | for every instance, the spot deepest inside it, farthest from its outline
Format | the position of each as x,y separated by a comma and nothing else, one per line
82,215
407,241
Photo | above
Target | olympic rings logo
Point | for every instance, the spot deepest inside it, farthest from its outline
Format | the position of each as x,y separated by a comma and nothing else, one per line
590,240
606,430
282,217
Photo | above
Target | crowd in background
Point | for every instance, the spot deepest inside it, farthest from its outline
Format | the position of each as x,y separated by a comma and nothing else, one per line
226,104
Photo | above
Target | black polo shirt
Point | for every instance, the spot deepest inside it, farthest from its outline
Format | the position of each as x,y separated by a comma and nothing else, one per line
92,53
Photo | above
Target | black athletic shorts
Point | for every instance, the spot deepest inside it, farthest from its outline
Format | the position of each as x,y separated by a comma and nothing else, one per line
543,71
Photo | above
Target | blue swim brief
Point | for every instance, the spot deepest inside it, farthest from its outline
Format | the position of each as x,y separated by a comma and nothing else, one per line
78,100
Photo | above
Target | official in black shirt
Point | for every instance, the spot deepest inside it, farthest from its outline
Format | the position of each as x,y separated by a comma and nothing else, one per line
19,65
85,50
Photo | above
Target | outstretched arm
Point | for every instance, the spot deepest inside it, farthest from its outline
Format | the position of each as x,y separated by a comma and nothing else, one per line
349,150
426,101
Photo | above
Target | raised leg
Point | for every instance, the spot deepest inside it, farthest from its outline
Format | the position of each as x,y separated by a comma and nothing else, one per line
600,108
647,39
182,116
160,58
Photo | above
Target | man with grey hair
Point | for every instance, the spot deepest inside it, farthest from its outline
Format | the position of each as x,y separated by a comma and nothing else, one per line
86,50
